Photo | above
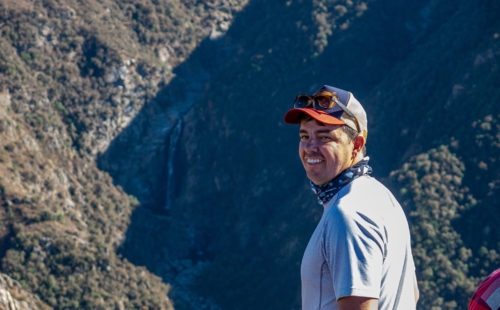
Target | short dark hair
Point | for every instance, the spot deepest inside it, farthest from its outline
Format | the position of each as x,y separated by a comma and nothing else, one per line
352,134
306,117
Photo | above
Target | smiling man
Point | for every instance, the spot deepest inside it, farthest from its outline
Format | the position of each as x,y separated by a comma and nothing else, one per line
359,256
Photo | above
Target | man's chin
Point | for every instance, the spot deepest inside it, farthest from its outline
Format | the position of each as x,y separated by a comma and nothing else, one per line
318,181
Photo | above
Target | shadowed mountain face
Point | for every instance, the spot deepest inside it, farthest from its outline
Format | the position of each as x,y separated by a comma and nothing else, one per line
236,211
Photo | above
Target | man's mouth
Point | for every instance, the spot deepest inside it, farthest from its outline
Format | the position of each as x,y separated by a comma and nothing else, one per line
313,161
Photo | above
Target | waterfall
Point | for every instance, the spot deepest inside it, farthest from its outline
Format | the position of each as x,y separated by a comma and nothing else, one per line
174,138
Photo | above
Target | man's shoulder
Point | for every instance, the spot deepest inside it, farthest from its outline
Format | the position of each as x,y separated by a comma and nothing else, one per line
366,195
362,203
365,187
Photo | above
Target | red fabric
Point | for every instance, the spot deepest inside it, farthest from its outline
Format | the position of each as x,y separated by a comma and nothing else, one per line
487,289
293,116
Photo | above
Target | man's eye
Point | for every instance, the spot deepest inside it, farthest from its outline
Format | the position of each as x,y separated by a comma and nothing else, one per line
325,138
303,138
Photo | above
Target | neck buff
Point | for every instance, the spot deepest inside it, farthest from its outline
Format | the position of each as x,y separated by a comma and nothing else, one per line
326,191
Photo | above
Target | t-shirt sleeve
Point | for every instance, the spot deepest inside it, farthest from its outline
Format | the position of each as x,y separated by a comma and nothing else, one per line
354,248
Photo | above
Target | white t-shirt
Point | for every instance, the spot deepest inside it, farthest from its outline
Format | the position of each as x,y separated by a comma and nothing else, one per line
361,247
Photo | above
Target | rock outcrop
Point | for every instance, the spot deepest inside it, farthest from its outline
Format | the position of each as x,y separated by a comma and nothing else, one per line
14,297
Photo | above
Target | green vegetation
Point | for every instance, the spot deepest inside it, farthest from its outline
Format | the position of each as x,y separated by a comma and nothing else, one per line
71,273
433,195
453,217
67,71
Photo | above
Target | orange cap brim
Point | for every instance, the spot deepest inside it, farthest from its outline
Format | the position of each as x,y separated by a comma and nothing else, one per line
294,116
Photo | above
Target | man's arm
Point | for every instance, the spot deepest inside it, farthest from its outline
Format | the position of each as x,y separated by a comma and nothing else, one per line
417,293
354,253
357,303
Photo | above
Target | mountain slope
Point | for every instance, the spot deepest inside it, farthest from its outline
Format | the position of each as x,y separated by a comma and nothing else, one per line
72,76
150,133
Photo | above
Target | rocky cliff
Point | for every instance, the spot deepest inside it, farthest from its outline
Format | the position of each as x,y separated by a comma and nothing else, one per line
12,296
72,76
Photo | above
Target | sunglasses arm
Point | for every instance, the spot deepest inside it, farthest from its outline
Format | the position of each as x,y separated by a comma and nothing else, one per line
343,107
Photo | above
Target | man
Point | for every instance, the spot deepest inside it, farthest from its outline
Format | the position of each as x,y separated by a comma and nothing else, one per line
359,256
487,295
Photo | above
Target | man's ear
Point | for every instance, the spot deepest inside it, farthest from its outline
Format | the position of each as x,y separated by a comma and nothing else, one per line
359,142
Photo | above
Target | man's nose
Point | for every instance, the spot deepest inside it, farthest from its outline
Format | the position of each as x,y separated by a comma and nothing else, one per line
311,145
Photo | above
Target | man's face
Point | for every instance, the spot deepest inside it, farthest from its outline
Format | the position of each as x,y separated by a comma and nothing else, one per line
325,150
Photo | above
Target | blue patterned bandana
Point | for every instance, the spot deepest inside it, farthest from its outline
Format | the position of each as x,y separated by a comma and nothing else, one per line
326,191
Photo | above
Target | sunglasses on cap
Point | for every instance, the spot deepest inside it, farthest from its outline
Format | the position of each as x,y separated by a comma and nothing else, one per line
324,101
